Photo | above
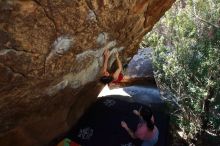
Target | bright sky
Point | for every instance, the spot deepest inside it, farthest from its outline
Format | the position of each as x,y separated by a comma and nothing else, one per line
106,91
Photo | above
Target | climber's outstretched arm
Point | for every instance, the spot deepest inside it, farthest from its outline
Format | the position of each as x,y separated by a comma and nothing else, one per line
119,69
130,132
105,65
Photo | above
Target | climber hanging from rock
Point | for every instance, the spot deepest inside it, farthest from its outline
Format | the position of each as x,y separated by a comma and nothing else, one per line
116,76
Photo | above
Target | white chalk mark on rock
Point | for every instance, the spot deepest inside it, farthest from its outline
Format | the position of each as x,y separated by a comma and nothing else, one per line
91,16
5,51
61,45
86,75
102,38
56,88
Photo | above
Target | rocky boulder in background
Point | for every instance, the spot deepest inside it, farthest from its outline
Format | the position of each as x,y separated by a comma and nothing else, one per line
141,64
51,53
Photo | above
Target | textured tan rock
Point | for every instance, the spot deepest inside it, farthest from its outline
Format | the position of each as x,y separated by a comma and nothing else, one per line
51,48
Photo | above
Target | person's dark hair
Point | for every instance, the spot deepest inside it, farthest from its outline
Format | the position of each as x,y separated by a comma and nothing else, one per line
147,114
106,79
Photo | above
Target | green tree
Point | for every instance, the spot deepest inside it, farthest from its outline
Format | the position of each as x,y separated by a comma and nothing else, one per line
186,60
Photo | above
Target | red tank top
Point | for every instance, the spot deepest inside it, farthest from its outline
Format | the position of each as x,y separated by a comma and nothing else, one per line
120,77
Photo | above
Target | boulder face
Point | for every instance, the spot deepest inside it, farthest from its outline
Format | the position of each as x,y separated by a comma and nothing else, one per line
51,53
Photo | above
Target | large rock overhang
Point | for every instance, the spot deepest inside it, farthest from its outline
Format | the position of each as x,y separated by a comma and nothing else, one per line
49,46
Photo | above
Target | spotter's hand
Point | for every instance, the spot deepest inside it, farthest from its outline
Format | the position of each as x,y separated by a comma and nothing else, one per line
136,112
124,124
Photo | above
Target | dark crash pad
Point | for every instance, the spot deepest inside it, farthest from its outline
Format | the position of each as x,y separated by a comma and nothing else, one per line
101,124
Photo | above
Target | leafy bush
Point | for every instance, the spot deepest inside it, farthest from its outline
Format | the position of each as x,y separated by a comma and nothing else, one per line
186,61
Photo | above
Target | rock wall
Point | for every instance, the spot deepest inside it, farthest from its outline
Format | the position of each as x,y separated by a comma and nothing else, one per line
51,49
